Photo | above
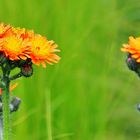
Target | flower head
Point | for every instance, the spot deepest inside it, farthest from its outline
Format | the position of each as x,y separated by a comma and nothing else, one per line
21,44
42,51
133,58
133,48
15,48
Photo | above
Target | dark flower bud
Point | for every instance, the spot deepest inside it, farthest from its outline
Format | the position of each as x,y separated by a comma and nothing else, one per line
14,105
131,63
27,70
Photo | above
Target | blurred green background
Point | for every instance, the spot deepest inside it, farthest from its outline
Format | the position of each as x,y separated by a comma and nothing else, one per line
90,94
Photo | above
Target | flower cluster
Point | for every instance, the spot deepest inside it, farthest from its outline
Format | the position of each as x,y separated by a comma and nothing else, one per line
19,49
21,44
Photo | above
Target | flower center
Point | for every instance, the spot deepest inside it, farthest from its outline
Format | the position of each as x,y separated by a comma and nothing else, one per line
13,44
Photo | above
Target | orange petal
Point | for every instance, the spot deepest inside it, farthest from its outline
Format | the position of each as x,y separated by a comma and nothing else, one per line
135,56
138,60
13,86
0,91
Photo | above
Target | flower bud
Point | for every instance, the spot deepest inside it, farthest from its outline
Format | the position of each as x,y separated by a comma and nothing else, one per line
131,63
27,70
15,104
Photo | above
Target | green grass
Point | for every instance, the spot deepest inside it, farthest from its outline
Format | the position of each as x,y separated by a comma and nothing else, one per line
90,94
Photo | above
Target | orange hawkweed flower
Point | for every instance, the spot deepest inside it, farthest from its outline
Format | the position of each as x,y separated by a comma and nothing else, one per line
15,48
42,51
133,48
19,43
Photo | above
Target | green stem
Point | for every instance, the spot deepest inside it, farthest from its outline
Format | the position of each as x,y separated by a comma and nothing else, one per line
16,76
6,110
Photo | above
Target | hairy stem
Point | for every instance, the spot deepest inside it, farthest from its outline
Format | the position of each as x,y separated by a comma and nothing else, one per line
6,109
1,128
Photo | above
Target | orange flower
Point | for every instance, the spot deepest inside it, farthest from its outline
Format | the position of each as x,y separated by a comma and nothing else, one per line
133,48
19,43
15,48
42,51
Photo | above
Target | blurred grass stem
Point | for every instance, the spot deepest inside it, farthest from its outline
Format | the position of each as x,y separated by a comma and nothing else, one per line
48,111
